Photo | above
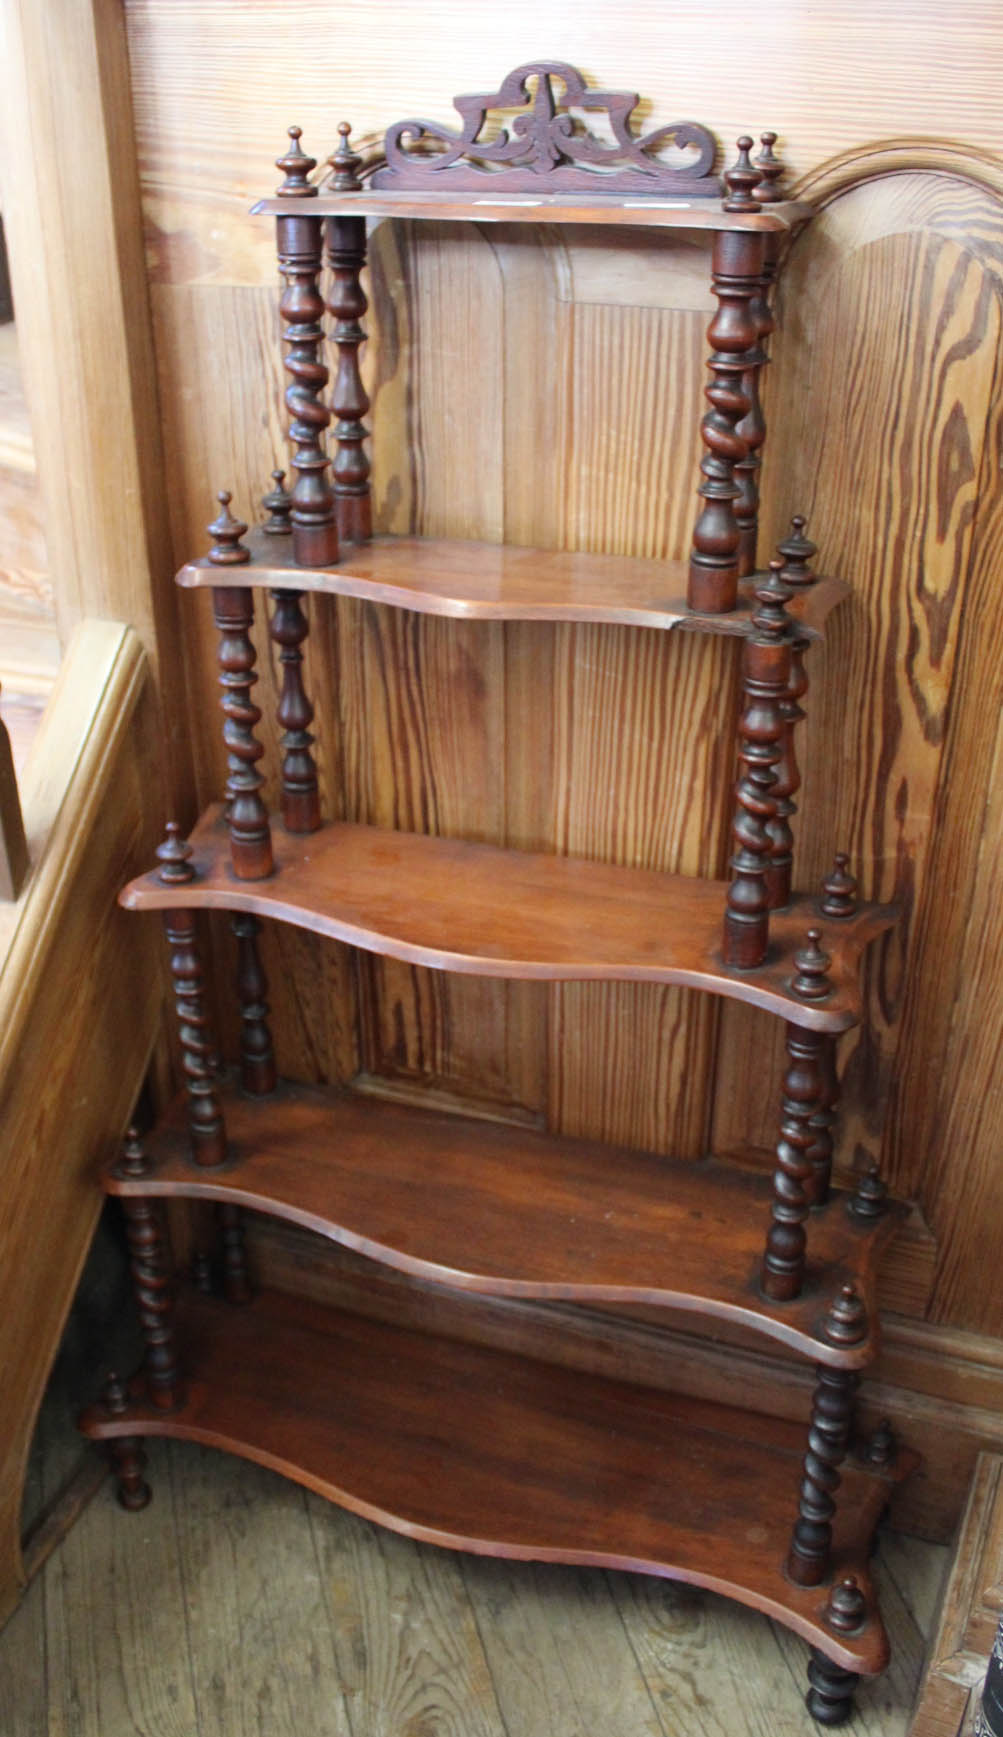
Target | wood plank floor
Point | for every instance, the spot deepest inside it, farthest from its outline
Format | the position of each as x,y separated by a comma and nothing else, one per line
237,1605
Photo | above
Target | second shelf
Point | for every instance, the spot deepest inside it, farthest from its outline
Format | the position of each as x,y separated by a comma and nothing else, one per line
505,1211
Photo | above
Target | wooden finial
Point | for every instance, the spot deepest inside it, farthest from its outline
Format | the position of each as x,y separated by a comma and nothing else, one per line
227,531
811,982
297,168
770,170
798,552
116,1398
773,594
870,1197
346,164
846,1611
175,870
839,890
134,1161
741,178
881,1449
846,1322
278,505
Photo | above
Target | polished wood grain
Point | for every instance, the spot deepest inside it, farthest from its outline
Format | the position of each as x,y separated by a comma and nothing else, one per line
590,1473
500,582
509,1212
475,908
643,211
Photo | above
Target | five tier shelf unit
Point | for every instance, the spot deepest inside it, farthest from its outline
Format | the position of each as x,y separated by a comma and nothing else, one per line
450,1441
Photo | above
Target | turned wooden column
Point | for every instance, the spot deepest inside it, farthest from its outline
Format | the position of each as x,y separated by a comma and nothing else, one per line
808,1560
752,427
250,835
733,335
784,1259
346,257
766,674
205,1113
153,1284
300,249
300,797
257,1056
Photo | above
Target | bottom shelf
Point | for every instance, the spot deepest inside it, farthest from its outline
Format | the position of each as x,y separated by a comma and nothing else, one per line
478,1449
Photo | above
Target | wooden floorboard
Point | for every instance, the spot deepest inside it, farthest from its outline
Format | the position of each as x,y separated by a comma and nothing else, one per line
238,1606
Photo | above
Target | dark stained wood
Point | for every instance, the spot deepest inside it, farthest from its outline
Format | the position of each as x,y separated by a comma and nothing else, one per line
733,335
205,1116
501,913
830,1691
810,1559
236,1278
502,582
300,799
299,237
250,841
347,302
509,1212
257,1056
530,1460
766,678
803,1091
14,860
618,210
153,1283
543,150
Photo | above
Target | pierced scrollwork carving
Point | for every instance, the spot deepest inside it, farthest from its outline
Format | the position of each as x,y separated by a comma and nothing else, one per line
545,148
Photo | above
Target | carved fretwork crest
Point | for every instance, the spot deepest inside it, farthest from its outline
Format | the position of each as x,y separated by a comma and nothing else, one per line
547,148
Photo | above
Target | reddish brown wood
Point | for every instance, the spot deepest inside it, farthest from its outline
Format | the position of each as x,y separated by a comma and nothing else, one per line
346,256
300,798
508,1212
839,889
810,1558
830,1690
870,1197
236,1278
544,151
788,778
278,504
504,913
531,1460
766,675
299,238
154,1287
846,1322
733,336
226,531
811,981
612,210
257,1056
205,1117
126,1452
501,582
784,1260
822,1126
798,552
250,835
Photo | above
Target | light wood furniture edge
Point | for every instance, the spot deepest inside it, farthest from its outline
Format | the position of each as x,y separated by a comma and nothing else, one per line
970,1606
79,1012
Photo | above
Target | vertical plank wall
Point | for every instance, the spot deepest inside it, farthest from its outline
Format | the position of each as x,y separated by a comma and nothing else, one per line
546,388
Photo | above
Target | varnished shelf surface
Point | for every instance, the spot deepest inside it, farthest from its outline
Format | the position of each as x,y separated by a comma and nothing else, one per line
508,1212
490,912
501,582
479,1449
624,211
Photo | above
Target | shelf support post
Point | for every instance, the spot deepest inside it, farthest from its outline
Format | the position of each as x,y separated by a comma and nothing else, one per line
300,250
766,674
236,1279
257,1055
830,1690
733,335
786,1242
153,1284
250,835
808,1559
300,798
346,257
205,1113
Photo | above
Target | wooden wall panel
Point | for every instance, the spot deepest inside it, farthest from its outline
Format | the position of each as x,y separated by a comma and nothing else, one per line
551,394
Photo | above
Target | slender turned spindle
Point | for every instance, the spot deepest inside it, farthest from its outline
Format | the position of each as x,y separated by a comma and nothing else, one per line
787,777
250,836
347,303
786,1242
257,1056
154,1287
822,1125
205,1114
752,427
236,1280
278,504
808,1560
798,552
733,336
830,1690
766,675
300,798
300,249
126,1451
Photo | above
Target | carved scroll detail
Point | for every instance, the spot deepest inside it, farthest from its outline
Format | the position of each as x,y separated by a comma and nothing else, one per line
545,149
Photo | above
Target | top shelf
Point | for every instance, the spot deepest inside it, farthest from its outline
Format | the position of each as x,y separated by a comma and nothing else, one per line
501,582
642,211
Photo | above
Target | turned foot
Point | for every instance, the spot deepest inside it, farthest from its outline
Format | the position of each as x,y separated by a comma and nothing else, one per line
830,1698
128,1461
